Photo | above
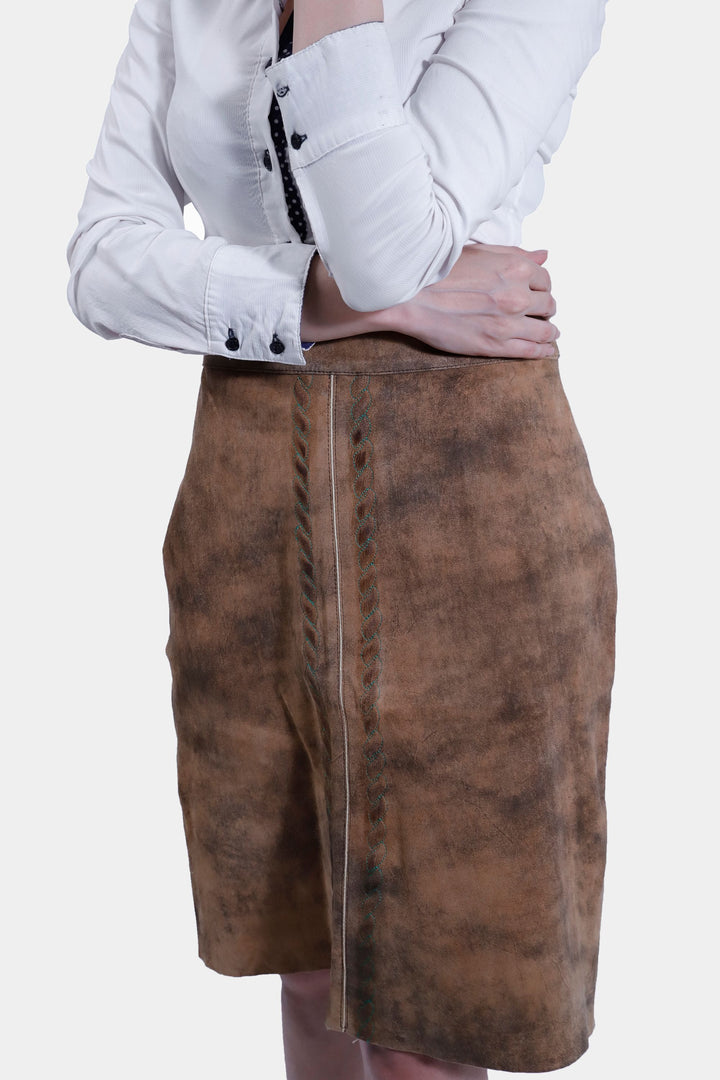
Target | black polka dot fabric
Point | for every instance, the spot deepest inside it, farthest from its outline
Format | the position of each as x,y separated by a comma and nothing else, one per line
292,195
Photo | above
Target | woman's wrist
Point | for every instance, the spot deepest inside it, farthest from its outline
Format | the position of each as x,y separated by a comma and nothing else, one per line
314,19
326,316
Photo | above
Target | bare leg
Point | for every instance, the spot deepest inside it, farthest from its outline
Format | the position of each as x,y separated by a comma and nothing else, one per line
312,1051
384,1064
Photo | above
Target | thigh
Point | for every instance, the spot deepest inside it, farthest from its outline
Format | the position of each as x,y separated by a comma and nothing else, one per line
383,1064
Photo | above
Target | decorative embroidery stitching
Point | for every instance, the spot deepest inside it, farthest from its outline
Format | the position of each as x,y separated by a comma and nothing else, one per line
303,536
375,760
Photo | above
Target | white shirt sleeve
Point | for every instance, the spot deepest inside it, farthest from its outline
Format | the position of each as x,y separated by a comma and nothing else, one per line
394,191
135,271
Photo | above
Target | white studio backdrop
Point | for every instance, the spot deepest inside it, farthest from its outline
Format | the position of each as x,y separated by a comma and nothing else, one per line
100,972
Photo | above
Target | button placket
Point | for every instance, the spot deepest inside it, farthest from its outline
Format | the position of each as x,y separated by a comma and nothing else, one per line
293,201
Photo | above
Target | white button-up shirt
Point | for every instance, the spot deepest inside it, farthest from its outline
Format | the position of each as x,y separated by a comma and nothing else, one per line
408,139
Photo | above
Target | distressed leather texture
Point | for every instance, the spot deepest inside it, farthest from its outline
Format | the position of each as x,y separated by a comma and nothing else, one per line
392,598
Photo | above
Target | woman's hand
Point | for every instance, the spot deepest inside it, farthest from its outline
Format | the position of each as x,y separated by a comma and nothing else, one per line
496,301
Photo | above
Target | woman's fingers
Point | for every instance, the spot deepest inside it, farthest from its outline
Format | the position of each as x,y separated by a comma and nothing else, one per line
530,350
505,328
542,304
540,279
515,348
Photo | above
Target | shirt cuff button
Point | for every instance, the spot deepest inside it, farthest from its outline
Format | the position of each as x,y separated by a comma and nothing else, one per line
267,160
276,345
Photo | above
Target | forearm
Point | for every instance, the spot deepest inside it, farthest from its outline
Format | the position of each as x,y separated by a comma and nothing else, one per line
326,316
314,19
394,186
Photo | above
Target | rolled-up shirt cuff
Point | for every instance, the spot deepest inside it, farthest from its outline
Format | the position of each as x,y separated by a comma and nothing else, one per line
341,87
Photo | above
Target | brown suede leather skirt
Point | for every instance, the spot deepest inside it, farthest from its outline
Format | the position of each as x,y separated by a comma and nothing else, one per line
392,596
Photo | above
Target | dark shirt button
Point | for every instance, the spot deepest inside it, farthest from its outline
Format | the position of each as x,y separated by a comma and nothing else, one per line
282,91
232,342
276,345
267,161
297,140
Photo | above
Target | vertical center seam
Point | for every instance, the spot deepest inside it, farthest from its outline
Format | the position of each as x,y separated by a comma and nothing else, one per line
333,489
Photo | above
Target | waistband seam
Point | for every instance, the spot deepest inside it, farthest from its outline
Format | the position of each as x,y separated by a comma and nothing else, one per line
237,366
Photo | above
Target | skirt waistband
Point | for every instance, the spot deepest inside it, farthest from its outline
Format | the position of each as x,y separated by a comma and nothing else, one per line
379,352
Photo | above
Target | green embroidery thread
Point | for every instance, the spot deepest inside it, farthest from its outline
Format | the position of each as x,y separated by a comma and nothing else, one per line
375,760
301,428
